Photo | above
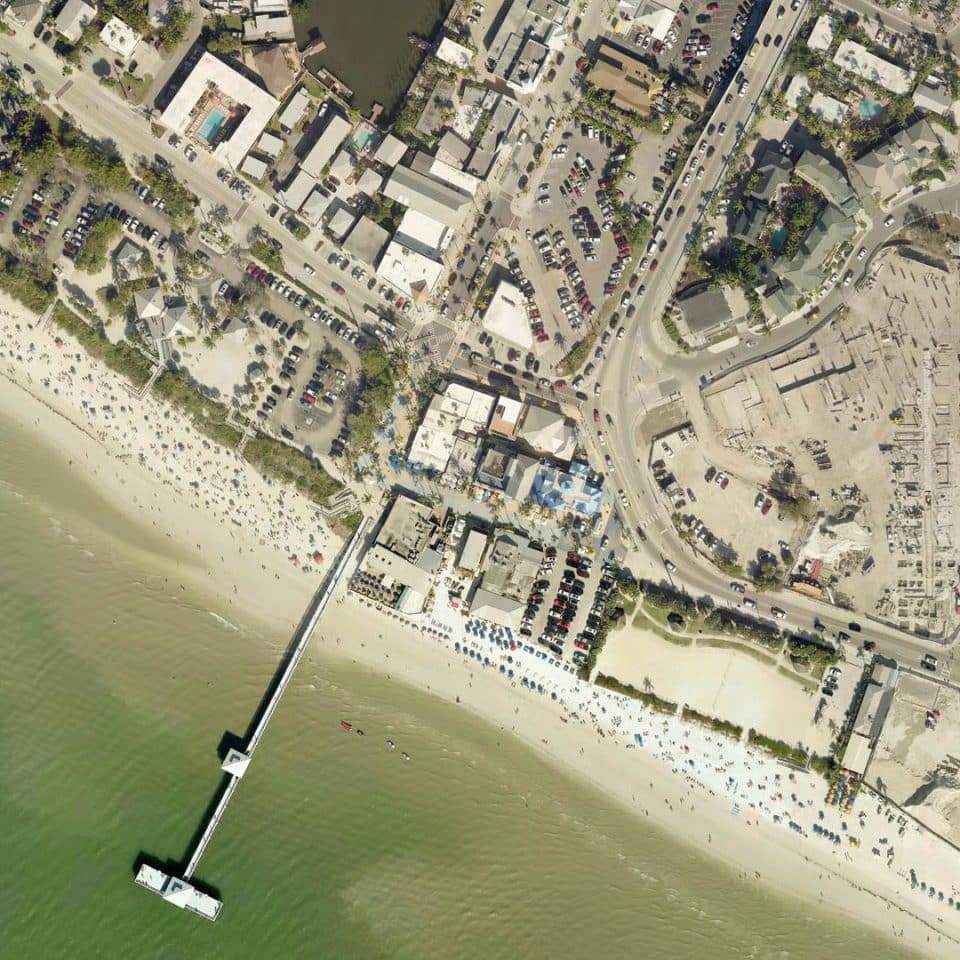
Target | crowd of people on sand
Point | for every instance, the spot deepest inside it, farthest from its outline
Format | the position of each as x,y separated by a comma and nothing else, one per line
143,431
754,785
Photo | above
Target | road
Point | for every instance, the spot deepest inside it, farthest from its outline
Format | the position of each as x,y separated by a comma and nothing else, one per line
105,116
646,357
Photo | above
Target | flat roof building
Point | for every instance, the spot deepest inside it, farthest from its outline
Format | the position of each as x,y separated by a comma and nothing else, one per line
271,145
506,416
220,109
456,54
506,316
254,167
473,546
857,59
529,31
821,36
511,567
631,82
366,241
391,151
273,28
295,110
934,96
458,411
427,195
423,234
413,274
328,143
120,39
298,188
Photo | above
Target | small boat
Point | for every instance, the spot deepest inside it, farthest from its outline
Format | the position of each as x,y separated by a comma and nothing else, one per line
391,744
345,725
405,755
359,733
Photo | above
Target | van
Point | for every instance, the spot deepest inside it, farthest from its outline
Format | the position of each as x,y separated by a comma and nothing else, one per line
658,234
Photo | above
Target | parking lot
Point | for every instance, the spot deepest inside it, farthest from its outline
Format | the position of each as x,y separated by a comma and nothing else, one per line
566,604
731,512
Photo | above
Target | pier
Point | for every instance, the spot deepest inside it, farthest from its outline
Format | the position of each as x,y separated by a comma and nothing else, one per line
179,890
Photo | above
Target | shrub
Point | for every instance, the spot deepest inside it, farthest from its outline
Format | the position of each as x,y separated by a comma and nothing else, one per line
288,465
35,288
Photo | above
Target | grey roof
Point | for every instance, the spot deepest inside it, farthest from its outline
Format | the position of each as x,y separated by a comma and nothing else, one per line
933,96
805,271
888,169
821,174
453,149
128,253
366,240
149,302
427,195
748,225
773,171
706,312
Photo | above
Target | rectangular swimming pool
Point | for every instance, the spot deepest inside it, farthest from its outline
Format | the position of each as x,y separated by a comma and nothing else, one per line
211,126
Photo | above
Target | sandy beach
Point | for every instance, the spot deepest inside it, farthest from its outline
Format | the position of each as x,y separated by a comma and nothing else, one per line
219,527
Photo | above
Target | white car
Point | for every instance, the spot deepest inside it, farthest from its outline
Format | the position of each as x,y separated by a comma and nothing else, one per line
778,613
308,270
862,253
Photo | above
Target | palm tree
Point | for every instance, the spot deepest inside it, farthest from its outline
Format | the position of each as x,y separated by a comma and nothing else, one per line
178,241
559,339
256,233
219,215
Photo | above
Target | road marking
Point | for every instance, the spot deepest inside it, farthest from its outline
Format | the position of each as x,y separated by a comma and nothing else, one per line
243,209
63,90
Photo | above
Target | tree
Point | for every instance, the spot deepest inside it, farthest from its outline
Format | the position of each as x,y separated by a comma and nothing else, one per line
219,215
93,257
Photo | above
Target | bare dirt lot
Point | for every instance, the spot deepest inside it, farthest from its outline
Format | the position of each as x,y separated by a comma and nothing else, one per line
918,766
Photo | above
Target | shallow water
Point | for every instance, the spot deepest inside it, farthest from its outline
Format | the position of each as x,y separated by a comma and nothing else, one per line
117,689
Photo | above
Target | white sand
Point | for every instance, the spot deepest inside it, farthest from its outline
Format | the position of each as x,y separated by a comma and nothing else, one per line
243,532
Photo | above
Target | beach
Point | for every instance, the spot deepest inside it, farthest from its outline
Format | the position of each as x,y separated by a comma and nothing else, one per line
248,542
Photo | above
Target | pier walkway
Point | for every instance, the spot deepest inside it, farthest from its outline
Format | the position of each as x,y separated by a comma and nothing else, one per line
179,890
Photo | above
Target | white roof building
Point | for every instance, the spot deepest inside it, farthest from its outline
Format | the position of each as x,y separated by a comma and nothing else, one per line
266,26
472,548
934,96
456,54
120,39
455,177
797,91
321,153
506,317
293,112
74,18
548,431
412,273
529,31
857,59
821,36
391,151
370,182
342,221
458,411
297,190
271,145
315,205
207,78
829,109
254,167
423,234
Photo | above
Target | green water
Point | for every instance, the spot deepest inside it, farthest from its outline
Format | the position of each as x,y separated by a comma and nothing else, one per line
116,691
367,45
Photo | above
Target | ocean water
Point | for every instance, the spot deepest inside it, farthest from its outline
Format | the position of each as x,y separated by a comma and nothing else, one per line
117,688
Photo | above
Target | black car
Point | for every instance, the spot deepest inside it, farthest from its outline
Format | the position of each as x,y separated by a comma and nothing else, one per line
854,626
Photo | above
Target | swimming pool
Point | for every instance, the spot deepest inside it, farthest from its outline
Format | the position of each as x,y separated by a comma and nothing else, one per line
211,126
778,239
869,108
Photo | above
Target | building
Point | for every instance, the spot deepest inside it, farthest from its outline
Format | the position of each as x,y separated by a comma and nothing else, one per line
366,241
822,175
797,91
317,203
390,151
829,109
128,255
219,109
341,220
423,234
398,569
507,414
410,272
770,174
506,316
804,272
162,319
473,549
294,111
934,96
267,27
633,85
511,568
575,490
707,313
529,30
24,11
271,145
458,411
656,15
455,54
821,36
427,195
890,167
74,18
297,189
120,39
254,167
328,143
548,432
453,150
857,59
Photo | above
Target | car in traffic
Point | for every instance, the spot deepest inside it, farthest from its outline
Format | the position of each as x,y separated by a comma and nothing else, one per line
778,613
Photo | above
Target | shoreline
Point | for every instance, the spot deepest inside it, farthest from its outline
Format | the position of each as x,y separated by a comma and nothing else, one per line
146,479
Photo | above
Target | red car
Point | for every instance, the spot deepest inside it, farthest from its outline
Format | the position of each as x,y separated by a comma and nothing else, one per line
869,645
252,268
307,398
596,415
654,265
766,507
579,644
713,6
634,280
337,288
724,483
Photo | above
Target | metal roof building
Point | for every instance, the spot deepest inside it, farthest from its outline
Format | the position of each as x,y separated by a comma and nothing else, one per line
321,153
427,195
293,112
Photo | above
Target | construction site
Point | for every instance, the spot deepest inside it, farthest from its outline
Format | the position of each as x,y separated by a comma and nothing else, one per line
878,384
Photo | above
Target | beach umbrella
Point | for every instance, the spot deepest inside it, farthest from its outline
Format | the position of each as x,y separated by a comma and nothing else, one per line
318,558
553,696
510,674
503,669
